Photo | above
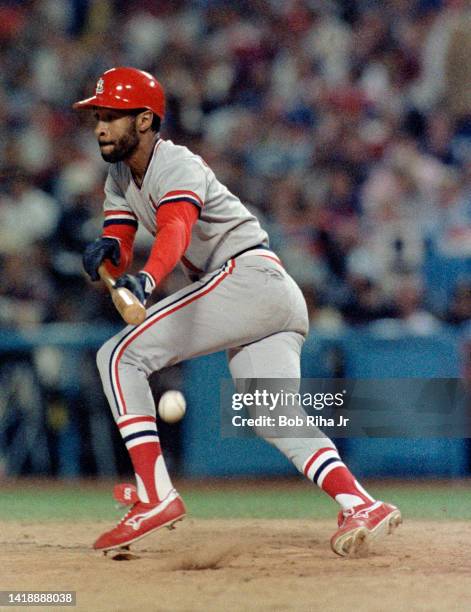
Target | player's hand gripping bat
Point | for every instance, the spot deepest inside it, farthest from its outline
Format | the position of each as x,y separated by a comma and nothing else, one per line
127,304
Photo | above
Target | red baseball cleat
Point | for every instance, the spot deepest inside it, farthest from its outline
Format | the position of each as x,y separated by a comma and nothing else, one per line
361,525
141,520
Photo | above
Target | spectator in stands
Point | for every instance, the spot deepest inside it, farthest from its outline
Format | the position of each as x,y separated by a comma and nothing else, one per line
409,297
459,310
345,125
366,302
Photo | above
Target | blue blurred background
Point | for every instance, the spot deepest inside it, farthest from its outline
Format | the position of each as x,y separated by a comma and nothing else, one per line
344,125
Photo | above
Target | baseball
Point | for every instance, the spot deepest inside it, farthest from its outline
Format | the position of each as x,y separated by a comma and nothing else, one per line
172,406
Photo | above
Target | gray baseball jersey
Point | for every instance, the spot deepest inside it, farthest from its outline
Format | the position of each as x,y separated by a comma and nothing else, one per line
225,226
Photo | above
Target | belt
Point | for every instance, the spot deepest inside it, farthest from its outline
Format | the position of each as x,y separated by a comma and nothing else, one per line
255,250
267,252
252,248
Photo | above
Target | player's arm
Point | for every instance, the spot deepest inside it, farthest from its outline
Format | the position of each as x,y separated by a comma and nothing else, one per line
115,246
174,224
184,185
122,230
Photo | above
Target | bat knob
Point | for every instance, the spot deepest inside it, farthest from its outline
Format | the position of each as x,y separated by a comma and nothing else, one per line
132,311
134,314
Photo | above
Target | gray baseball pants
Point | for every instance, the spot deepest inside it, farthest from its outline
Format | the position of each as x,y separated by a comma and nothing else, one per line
250,307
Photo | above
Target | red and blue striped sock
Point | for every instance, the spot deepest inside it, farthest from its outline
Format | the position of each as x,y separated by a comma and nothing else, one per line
327,470
142,442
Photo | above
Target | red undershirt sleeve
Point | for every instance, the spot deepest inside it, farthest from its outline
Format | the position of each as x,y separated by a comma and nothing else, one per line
124,234
174,224
120,223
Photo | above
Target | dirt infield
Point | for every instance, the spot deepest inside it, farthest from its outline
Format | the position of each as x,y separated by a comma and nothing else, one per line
221,565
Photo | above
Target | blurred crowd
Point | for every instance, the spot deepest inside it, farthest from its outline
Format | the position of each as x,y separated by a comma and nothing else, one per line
344,124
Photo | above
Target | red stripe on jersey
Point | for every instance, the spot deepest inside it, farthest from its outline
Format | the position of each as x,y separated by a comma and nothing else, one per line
152,201
177,192
109,213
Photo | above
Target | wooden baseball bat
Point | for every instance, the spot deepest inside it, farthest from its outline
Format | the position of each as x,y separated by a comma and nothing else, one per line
127,304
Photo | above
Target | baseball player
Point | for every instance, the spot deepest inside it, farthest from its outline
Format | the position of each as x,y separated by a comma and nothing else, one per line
240,299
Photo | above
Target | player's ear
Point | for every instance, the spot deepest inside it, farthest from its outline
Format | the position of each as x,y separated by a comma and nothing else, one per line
144,120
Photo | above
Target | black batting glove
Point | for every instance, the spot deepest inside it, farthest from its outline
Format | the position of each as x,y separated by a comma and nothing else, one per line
96,252
141,284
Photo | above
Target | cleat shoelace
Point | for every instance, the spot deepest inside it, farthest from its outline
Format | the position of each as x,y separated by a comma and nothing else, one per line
346,515
126,515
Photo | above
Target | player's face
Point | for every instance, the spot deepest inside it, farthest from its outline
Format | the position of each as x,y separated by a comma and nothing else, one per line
116,134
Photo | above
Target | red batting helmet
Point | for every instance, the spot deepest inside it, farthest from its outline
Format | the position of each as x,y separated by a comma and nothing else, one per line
127,89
